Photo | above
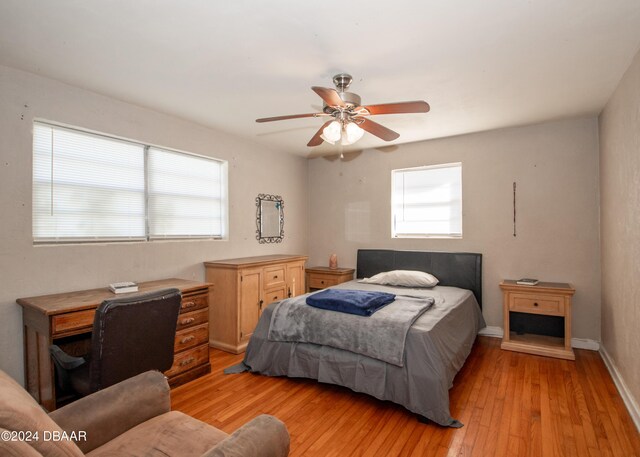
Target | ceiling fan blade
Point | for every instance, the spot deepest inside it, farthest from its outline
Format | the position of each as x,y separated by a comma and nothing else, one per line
378,130
316,140
418,106
330,96
291,116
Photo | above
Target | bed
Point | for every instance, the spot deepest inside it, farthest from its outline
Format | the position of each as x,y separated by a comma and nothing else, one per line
437,343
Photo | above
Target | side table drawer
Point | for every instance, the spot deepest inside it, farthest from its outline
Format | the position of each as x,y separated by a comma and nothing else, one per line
537,304
320,282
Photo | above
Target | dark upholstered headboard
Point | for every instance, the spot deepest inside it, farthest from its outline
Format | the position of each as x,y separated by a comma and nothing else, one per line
456,269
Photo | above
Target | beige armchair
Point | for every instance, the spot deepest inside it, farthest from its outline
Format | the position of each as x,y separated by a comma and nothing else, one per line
131,418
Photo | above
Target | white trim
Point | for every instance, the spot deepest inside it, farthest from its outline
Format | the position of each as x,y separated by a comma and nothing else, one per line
494,332
578,343
585,343
625,393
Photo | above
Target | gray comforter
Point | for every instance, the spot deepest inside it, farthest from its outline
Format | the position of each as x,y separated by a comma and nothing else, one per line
380,336
436,347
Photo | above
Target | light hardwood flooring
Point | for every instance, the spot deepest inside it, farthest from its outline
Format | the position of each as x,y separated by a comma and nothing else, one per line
512,404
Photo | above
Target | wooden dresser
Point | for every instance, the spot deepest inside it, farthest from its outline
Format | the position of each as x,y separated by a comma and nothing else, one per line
323,277
67,320
242,288
546,299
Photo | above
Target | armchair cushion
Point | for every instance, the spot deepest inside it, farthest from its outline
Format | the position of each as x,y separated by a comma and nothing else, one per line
20,412
109,412
264,436
168,435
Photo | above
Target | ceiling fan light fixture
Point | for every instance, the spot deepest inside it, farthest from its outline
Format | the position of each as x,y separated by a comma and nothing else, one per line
352,132
332,132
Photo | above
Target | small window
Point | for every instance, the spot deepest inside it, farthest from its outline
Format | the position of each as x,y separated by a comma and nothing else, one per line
427,201
91,187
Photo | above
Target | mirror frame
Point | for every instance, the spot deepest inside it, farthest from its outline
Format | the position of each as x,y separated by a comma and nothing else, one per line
272,198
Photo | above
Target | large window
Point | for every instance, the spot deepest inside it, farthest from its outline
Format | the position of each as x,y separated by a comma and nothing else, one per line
427,201
90,187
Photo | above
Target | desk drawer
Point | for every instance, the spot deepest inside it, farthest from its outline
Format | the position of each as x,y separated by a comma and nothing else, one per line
320,281
72,322
193,302
537,304
191,337
192,318
188,359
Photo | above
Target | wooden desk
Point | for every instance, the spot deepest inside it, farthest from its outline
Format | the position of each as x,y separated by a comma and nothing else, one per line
66,319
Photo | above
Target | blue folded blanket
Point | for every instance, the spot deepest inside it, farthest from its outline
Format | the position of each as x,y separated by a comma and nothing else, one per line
360,302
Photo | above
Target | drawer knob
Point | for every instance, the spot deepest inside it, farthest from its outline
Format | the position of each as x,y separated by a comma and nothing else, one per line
189,304
275,297
535,304
186,361
188,320
321,282
186,339
275,277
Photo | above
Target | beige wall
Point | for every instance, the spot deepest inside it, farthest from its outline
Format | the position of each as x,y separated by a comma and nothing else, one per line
26,270
555,166
620,227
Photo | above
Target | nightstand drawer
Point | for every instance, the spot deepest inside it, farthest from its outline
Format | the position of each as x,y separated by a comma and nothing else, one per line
320,282
537,304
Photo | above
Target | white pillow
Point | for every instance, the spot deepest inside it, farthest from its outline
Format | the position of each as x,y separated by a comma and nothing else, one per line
406,278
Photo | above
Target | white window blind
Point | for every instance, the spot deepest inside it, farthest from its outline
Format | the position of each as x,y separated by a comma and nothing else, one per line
427,201
185,195
91,187
86,187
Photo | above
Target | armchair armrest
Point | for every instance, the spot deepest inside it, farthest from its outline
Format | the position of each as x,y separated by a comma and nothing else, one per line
264,436
112,411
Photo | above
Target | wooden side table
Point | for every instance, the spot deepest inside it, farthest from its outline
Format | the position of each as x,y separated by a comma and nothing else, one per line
545,298
322,277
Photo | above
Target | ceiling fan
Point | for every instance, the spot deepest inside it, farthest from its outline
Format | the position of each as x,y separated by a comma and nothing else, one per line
349,119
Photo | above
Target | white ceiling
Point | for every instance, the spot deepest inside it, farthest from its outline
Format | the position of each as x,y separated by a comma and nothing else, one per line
480,64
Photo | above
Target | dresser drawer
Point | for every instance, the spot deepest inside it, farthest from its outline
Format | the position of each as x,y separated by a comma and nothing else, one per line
273,276
537,304
320,281
191,337
274,295
188,359
72,322
193,302
192,318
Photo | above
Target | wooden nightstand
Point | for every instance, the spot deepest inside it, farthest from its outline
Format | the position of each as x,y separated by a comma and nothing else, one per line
321,277
545,298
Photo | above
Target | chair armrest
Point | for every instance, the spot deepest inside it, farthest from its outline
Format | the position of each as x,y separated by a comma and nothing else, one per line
110,412
264,436
66,361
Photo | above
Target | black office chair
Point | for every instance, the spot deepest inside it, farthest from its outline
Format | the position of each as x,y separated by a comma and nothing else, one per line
131,335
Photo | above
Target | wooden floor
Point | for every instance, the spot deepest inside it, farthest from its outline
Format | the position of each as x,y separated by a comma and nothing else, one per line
512,404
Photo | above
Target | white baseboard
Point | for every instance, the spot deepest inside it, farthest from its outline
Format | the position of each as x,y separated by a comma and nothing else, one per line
625,393
583,343
495,332
578,343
